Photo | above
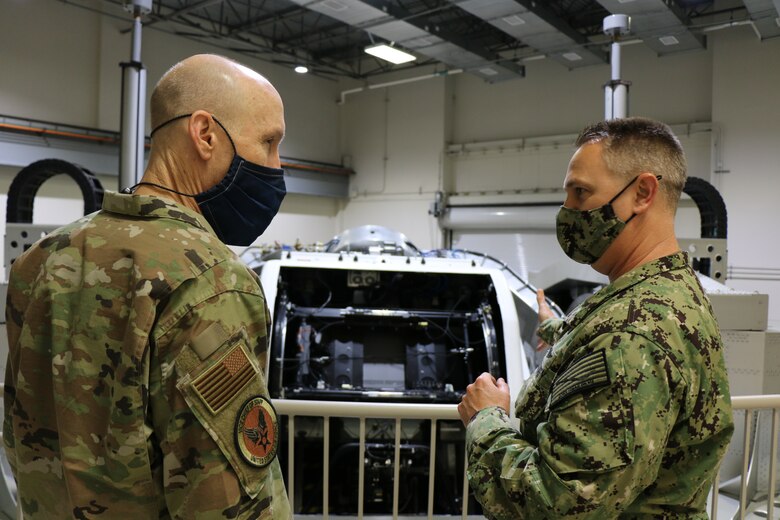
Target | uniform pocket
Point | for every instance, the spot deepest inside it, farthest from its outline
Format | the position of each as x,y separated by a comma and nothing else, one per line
227,394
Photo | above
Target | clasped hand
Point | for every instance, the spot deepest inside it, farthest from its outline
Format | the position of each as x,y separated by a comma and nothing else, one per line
483,393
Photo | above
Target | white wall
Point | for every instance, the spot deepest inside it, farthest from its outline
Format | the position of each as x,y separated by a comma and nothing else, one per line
746,104
394,138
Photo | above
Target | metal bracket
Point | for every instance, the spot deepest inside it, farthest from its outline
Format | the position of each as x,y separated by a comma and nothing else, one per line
19,237
708,255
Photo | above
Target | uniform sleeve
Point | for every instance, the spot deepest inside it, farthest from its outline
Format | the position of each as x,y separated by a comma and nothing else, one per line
599,444
208,395
550,330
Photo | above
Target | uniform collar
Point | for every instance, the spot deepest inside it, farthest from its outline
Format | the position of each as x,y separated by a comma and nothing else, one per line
146,206
678,260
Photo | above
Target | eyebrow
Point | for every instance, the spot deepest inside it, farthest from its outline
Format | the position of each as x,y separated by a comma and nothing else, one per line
576,182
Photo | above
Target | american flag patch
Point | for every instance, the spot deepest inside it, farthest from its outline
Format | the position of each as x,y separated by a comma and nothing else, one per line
223,381
586,373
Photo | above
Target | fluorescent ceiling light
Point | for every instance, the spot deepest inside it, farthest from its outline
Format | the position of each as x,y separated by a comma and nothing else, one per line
391,54
487,71
572,56
301,69
669,40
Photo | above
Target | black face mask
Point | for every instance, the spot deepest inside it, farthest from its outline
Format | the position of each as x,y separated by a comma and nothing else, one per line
240,206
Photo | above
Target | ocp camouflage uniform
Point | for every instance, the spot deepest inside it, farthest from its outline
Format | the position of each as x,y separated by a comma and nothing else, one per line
113,322
628,416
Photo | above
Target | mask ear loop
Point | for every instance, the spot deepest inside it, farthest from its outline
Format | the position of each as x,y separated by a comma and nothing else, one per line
226,133
171,120
658,177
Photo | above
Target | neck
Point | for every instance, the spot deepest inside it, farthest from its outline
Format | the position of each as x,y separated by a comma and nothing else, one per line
641,246
161,173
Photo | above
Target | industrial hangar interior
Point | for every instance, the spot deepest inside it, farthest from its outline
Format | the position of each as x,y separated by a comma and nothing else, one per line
420,214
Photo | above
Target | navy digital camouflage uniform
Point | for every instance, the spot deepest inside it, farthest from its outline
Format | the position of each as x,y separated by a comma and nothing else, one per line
113,321
628,416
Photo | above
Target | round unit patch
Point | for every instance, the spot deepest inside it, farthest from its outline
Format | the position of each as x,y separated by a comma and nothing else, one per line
257,432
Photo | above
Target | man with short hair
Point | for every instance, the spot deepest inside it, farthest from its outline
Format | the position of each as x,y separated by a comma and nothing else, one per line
629,414
138,341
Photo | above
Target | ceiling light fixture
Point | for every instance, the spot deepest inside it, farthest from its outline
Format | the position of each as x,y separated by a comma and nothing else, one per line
391,54
301,69
572,56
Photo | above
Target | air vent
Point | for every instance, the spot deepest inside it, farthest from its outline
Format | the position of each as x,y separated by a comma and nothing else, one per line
513,20
669,40
334,5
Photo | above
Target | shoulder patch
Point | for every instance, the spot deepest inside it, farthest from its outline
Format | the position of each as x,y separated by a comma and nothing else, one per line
586,373
218,385
257,432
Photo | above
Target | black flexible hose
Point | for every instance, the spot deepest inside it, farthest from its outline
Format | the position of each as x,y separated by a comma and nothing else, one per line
712,209
25,185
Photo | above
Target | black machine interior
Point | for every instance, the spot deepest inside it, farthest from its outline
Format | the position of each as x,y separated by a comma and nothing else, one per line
344,334
361,335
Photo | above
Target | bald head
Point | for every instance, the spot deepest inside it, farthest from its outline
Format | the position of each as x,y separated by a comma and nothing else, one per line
206,82
206,110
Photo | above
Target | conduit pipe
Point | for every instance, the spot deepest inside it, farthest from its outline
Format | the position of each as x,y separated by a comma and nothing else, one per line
345,93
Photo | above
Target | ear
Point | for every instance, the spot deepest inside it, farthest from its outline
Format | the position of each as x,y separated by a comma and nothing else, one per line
646,192
202,131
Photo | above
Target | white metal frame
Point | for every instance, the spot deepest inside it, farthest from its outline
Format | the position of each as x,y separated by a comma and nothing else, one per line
438,412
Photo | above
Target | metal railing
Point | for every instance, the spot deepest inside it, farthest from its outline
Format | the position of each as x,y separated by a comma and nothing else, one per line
439,412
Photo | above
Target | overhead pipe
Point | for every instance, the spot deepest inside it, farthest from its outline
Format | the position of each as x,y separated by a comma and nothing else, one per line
345,93
113,138
131,152
616,90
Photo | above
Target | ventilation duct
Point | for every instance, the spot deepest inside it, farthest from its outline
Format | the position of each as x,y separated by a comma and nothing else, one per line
651,18
537,28
381,22
765,15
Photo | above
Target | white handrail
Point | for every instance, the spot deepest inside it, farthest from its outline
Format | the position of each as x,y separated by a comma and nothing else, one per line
367,410
439,412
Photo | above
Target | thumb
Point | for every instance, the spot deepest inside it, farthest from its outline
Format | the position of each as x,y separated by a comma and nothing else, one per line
540,297
502,385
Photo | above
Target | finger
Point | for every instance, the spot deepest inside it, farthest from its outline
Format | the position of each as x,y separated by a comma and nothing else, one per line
486,378
540,297
502,385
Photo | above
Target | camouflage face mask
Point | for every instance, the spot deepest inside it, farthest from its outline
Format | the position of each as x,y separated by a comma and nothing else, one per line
584,235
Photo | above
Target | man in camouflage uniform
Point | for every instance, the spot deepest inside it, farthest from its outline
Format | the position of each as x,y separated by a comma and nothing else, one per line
629,414
138,341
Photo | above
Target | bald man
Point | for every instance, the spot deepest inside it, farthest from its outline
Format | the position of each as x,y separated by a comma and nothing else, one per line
629,414
138,341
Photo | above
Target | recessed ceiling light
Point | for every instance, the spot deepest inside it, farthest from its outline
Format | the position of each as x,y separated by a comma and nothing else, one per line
301,69
513,20
487,71
390,54
572,56
625,1
669,40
